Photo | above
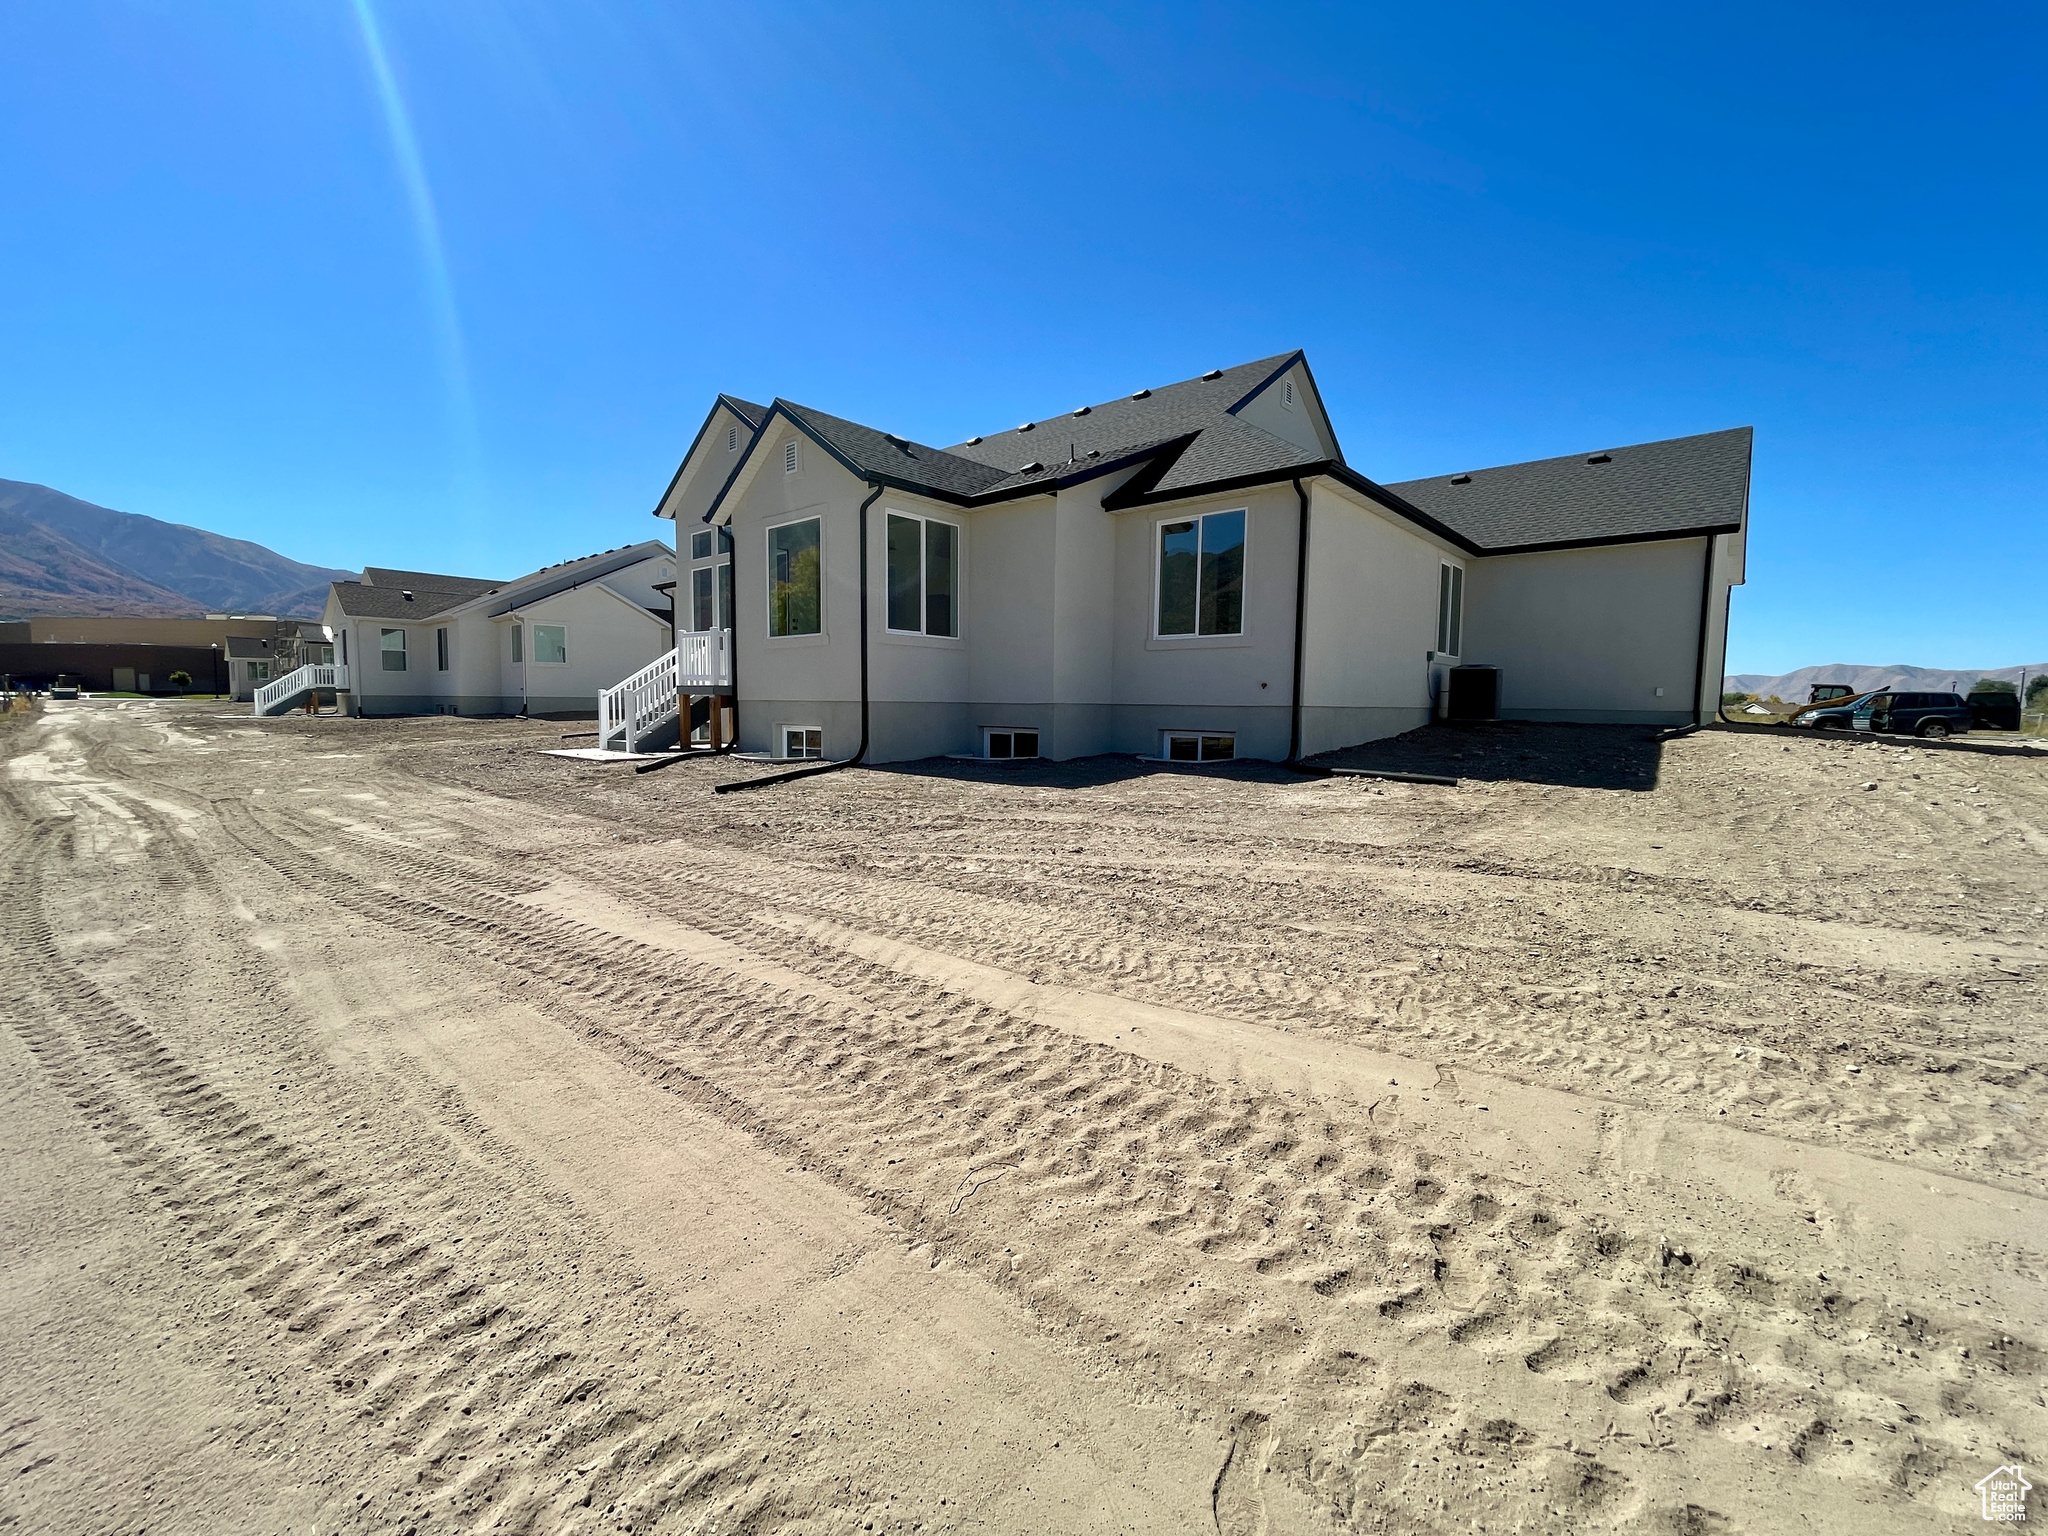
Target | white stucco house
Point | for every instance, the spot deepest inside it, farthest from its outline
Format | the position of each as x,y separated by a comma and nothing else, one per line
415,642
1189,572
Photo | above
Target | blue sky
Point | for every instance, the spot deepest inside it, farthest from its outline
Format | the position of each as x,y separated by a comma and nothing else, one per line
464,308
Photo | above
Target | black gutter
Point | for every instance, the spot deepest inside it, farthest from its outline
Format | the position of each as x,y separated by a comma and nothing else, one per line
1699,666
861,752
1300,622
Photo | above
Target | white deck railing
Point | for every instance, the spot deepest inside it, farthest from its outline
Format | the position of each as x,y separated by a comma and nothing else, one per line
703,660
638,705
286,689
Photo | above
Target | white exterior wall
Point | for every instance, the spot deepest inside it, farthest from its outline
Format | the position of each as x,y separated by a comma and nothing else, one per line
705,472
1237,683
611,636
1299,423
1591,634
1371,622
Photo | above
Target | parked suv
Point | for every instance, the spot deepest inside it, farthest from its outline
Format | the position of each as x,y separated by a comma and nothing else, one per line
1914,714
1832,714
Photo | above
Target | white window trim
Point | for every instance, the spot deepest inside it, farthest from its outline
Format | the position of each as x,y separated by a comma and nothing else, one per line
1165,732
1011,730
1464,577
1154,639
959,578
404,651
535,659
782,742
768,584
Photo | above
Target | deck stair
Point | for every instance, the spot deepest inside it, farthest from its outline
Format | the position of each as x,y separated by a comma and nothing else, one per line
645,709
285,693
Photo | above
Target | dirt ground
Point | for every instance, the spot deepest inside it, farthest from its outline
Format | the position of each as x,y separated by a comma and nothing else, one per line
406,1132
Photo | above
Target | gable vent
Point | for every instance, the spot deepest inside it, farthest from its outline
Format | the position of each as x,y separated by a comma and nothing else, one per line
1461,479
732,438
1141,394
789,457
1601,458
1213,373
1287,393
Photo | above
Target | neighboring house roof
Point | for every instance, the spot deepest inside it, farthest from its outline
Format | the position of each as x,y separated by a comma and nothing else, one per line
250,648
1190,440
1681,485
416,595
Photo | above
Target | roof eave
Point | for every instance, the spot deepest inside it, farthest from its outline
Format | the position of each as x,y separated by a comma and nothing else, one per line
1704,530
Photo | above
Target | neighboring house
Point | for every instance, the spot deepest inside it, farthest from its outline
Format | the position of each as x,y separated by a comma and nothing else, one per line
1190,572
254,660
546,643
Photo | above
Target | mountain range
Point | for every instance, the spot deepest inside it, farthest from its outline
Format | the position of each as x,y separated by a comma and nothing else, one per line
1792,686
62,555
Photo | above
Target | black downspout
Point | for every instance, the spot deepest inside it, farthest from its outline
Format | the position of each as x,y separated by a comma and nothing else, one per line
860,754
1300,624
1699,668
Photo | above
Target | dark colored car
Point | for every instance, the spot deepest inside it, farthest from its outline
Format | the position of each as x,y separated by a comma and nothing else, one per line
1834,714
1915,714
1996,711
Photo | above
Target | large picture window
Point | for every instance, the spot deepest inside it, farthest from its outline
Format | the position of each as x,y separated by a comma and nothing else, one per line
394,650
1201,575
1450,610
551,644
924,576
794,580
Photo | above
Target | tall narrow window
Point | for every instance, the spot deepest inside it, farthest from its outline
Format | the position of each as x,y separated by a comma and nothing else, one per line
1450,610
701,581
795,588
440,650
518,644
924,576
1201,575
393,649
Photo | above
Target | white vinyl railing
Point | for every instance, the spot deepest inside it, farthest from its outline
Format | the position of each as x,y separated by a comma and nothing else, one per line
651,697
326,674
636,706
703,660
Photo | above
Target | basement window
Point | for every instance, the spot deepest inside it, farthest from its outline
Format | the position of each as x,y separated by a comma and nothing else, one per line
803,741
1197,746
1003,742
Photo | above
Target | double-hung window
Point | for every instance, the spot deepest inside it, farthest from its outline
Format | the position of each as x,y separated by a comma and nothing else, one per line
795,585
393,648
1450,610
711,580
1201,575
924,576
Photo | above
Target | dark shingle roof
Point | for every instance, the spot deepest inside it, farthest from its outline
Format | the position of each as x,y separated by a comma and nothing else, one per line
1171,411
360,600
250,648
879,453
753,415
382,576
1650,490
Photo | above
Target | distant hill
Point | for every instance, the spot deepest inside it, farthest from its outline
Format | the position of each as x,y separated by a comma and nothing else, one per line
83,555
1792,686
44,572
